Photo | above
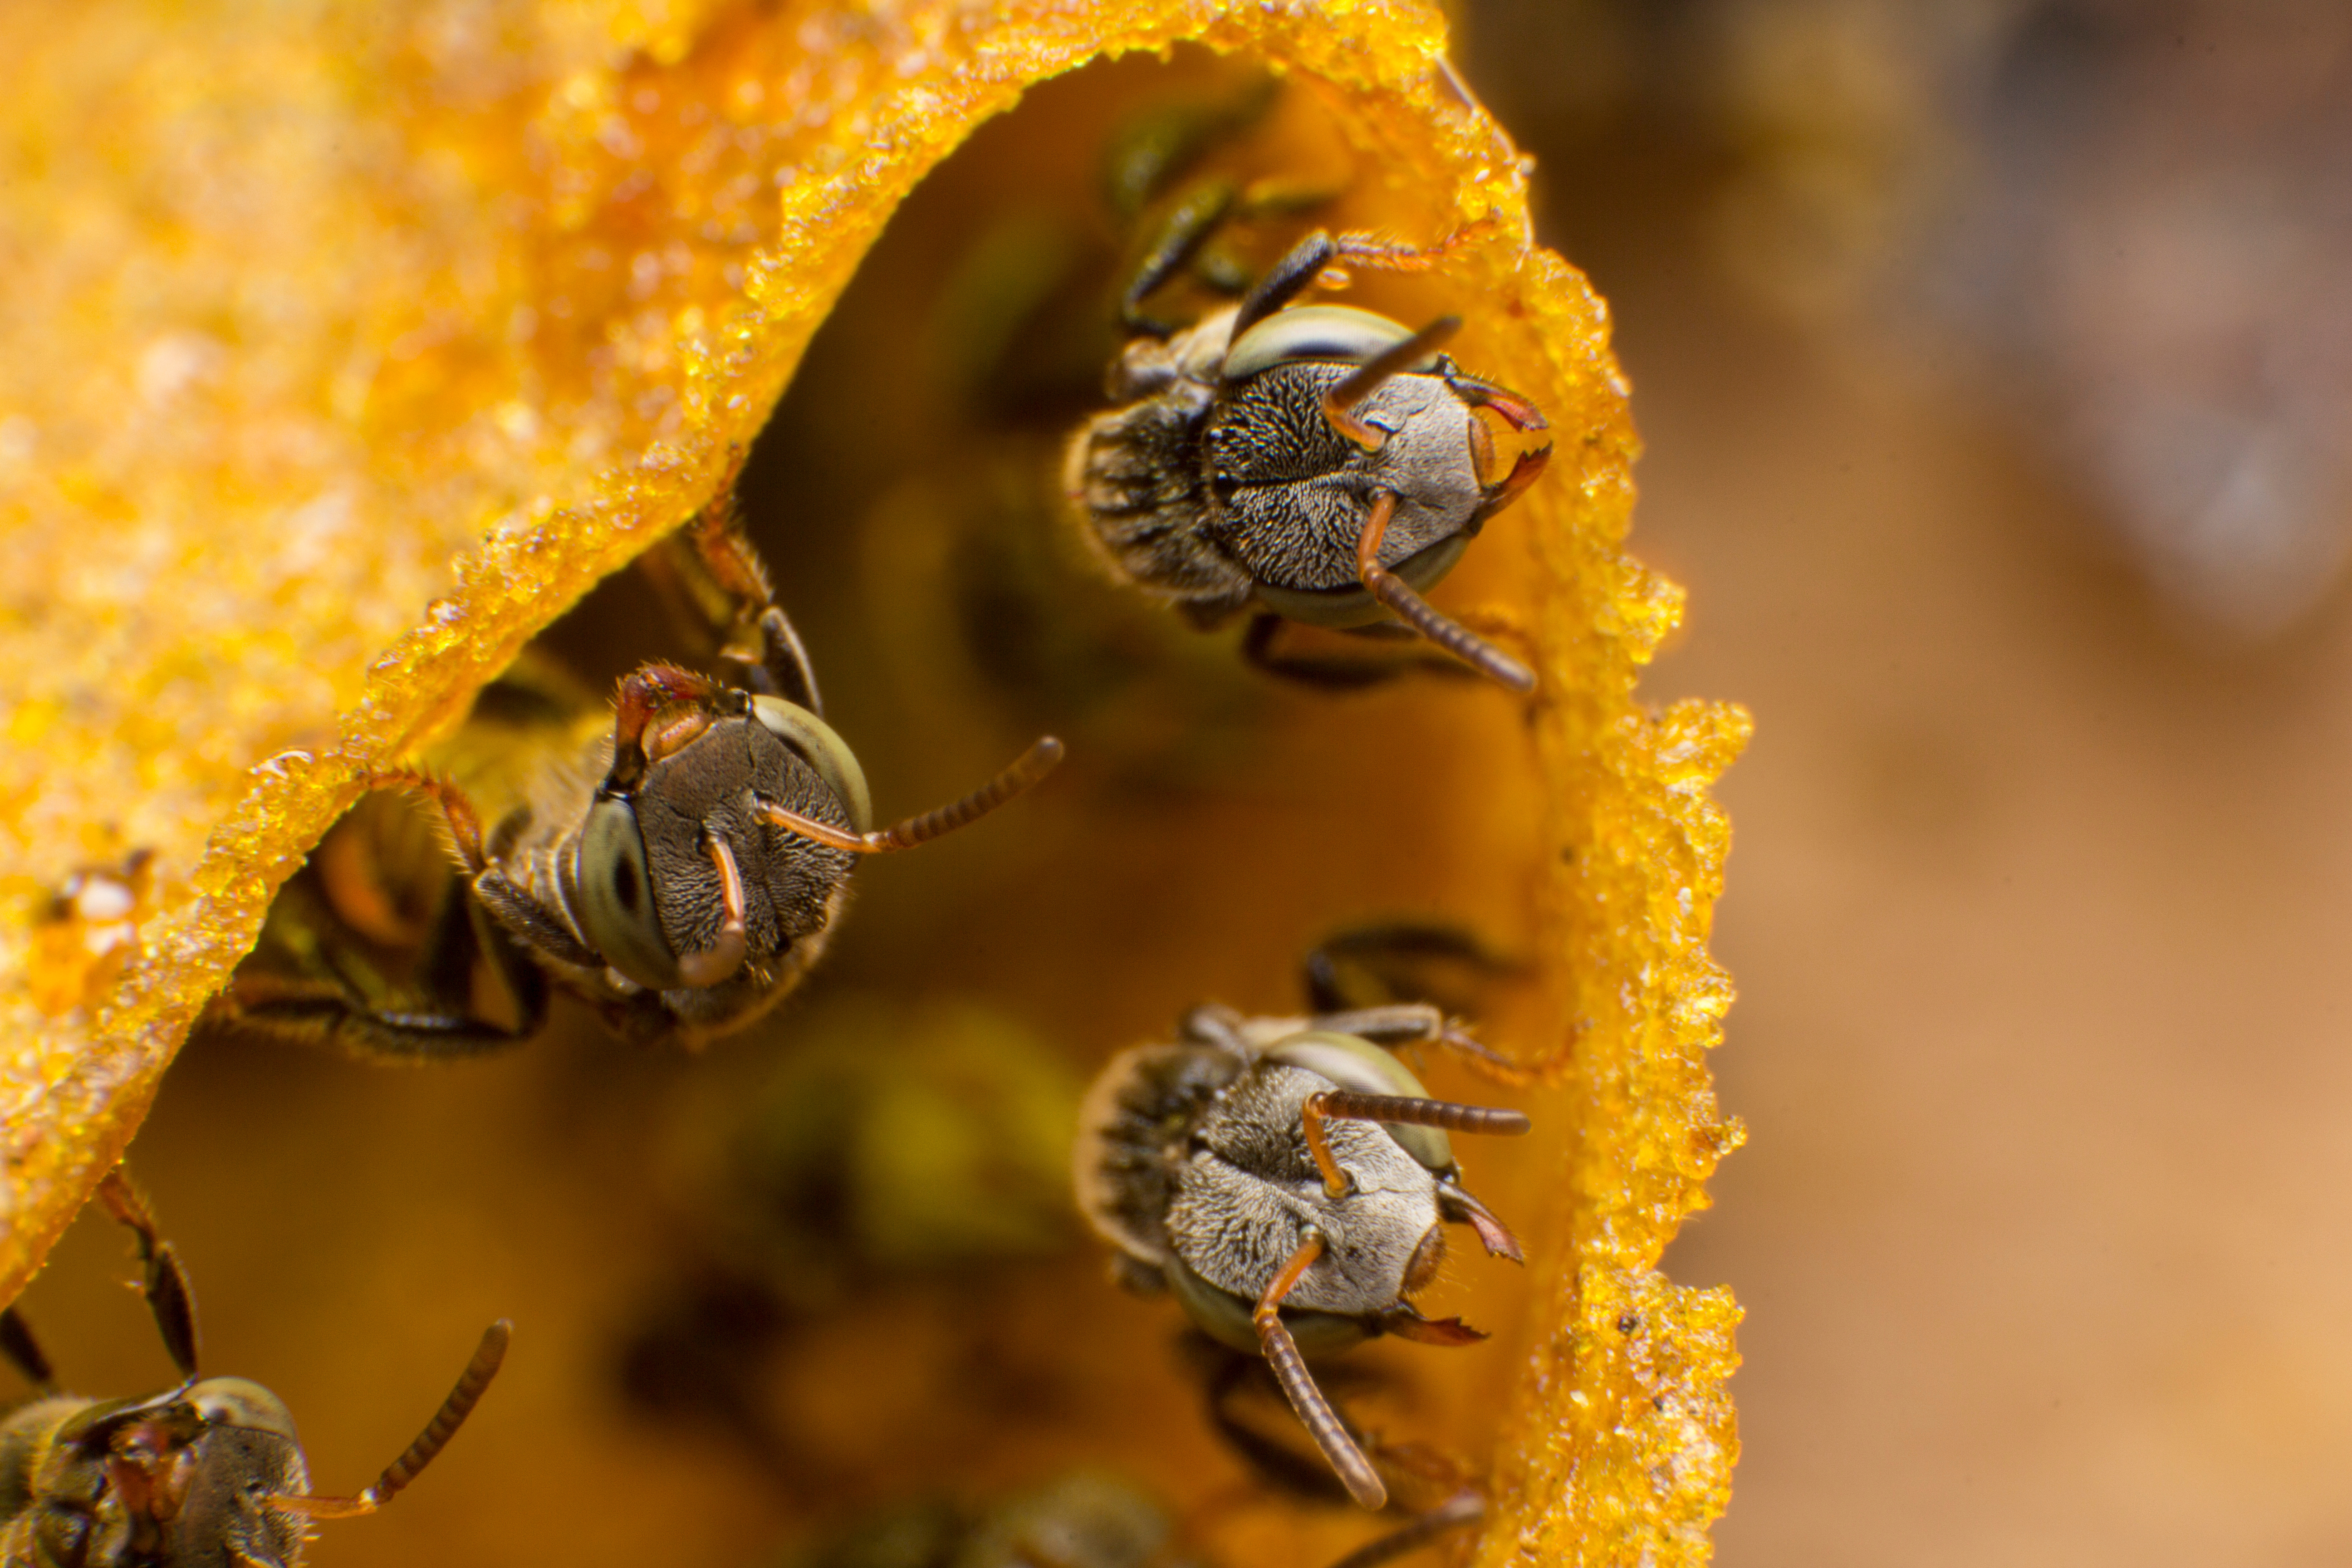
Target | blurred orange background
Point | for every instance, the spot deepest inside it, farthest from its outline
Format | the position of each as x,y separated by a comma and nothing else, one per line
2040,903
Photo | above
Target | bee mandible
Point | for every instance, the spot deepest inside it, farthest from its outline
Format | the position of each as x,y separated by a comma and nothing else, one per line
681,877
208,1474
1323,463
1289,1182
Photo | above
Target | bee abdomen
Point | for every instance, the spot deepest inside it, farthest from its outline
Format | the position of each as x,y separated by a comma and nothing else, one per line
1137,472
1132,1129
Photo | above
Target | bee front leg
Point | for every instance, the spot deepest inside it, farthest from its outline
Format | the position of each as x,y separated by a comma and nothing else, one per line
1387,959
1315,1411
1421,1023
1199,215
1460,1512
1297,270
777,665
716,589
1416,612
162,1281
23,1351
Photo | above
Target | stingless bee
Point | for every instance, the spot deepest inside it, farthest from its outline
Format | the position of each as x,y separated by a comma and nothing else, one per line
1289,1182
1324,463
681,877
208,1474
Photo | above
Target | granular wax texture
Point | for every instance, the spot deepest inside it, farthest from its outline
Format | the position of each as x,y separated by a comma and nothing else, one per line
345,347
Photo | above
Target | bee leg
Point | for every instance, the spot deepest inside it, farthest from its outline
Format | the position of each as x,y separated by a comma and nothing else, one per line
465,940
165,1283
1417,613
337,1005
1297,270
1398,1024
458,811
1483,1058
1315,1411
1460,1512
1286,279
1148,153
785,662
1391,1024
312,1012
1388,958
1331,673
486,940
1180,239
1341,399
484,1367
776,665
518,914
23,1351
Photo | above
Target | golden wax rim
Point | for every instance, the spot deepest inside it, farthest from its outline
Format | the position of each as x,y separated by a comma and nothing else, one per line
1621,1440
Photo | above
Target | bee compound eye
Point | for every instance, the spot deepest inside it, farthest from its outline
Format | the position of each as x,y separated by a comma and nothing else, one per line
1360,1067
1226,1318
1219,1315
619,910
817,743
1312,333
243,1403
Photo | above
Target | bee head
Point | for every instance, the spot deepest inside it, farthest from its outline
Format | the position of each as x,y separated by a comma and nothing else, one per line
186,1478
1248,1192
680,878
246,1455
1297,489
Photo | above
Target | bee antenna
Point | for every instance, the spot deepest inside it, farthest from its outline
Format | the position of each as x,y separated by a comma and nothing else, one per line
1341,1106
1416,612
1025,773
1315,1411
1366,379
429,1442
